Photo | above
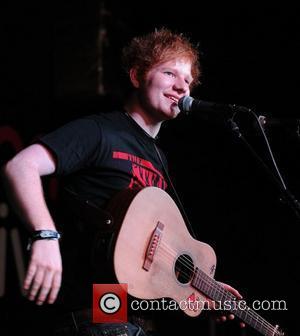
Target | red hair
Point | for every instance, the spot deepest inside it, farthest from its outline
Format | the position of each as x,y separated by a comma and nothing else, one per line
157,47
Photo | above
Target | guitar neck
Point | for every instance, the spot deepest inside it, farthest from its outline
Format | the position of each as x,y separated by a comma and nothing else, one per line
227,301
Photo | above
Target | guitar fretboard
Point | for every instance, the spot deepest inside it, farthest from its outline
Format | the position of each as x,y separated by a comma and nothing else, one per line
215,291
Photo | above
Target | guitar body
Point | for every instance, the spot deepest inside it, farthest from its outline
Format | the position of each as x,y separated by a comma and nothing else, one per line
156,255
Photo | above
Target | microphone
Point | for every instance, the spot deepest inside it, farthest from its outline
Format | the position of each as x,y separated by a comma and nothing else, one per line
209,110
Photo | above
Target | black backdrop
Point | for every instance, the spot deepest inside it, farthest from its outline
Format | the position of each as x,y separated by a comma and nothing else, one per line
49,62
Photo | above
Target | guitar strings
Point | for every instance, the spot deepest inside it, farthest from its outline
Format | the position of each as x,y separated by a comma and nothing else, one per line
215,286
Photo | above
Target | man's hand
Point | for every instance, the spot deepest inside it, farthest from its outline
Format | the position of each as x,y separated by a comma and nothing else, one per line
43,278
222,317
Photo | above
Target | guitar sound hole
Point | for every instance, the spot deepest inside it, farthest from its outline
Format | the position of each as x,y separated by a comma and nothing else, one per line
184,268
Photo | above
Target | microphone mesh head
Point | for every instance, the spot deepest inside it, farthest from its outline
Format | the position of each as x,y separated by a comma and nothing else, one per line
185,103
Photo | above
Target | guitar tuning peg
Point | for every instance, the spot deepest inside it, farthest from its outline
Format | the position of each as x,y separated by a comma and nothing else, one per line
279,332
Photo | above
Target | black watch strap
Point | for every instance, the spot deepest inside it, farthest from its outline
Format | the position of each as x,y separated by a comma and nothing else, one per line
43,234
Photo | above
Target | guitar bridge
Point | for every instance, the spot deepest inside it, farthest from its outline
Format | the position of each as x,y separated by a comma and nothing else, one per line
152,246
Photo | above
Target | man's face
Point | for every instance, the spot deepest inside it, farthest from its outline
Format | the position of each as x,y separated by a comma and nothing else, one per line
164,84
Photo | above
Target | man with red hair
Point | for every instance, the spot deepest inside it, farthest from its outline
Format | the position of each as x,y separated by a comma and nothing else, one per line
96,157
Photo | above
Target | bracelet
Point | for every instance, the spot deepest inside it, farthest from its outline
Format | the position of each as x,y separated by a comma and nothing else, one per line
43,234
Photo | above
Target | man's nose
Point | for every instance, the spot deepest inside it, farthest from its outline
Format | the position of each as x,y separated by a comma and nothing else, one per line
181,85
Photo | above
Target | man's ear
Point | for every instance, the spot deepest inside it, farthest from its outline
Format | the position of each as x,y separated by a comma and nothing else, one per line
134,78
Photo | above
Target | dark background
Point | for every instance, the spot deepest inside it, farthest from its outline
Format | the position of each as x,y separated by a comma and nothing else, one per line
50,61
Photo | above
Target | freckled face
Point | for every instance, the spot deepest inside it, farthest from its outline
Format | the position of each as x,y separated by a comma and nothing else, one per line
163,86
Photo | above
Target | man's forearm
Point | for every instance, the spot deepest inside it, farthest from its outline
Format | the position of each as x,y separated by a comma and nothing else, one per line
25,191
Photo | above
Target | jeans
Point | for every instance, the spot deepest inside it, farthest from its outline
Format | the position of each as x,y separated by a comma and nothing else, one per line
103,329
72,325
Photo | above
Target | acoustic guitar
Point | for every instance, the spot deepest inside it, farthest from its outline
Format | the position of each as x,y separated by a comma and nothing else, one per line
157,257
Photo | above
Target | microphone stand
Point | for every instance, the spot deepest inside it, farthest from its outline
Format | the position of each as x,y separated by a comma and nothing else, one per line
287,196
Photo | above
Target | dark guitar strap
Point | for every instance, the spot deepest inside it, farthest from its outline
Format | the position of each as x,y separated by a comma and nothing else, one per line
175,194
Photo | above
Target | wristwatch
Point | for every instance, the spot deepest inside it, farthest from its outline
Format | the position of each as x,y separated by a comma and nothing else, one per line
43,234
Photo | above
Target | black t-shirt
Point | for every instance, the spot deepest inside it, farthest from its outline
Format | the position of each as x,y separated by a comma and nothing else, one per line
97,156
103,154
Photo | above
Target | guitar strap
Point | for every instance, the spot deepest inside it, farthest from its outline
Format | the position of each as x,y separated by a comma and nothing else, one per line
175,194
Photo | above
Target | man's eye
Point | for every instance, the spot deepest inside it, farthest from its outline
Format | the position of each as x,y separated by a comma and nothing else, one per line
169,73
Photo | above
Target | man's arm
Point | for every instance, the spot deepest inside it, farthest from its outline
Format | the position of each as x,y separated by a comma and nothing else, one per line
22,177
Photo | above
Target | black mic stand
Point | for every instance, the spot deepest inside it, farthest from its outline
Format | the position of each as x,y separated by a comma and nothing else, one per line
287,196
